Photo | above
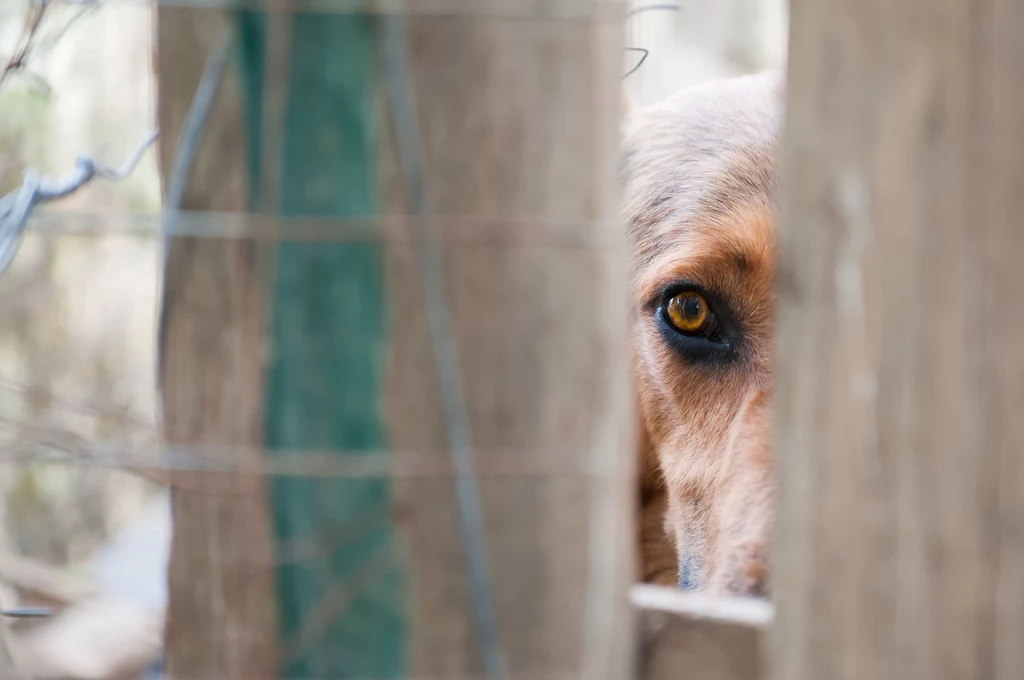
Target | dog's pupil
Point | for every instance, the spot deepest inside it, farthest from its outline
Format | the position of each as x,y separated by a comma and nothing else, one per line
691,308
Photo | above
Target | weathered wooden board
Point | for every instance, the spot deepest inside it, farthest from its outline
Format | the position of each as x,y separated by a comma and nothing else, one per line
222,617
518,129
900,550
518,123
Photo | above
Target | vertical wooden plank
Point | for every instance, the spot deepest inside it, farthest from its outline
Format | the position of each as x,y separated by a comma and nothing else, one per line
899,545
7,669
517,126
222,618
528,178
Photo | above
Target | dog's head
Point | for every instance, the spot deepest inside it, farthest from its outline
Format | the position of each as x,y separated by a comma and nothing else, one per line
700,186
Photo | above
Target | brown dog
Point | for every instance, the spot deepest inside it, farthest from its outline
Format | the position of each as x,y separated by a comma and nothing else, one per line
700,185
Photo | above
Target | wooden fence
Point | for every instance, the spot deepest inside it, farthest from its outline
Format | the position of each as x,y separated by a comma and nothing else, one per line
416,377
342,527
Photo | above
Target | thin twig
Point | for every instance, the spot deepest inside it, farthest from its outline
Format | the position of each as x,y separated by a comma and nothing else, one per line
87,6
28,34
32,29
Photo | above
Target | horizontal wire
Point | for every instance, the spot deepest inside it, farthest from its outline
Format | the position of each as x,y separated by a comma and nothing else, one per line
256,461
26,612
558,10
395,229
522,675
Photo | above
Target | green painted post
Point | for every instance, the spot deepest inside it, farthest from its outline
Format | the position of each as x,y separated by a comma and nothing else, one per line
341,600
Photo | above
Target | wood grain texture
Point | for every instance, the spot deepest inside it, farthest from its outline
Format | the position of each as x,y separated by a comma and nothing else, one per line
222,617
676,648
687,635
6,659
900,532
518,121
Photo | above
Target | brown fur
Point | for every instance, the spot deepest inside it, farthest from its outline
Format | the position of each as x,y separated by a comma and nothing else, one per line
700,185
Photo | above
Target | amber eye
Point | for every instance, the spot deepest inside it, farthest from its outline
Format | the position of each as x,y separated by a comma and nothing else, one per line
688,313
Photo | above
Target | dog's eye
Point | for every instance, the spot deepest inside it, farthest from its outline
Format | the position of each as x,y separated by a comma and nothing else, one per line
689,313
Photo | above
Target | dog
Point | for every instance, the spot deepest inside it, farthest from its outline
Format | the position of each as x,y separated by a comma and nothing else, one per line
700,184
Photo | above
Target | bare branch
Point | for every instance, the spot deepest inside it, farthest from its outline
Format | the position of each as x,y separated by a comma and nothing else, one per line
37,10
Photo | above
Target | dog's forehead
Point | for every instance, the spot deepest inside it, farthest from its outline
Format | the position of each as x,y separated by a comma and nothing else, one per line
705,156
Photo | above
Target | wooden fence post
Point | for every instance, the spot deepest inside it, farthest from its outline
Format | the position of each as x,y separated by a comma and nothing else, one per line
900,532
517,127
514,110
222,616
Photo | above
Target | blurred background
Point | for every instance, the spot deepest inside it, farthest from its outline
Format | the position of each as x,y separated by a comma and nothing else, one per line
78,309
691,41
